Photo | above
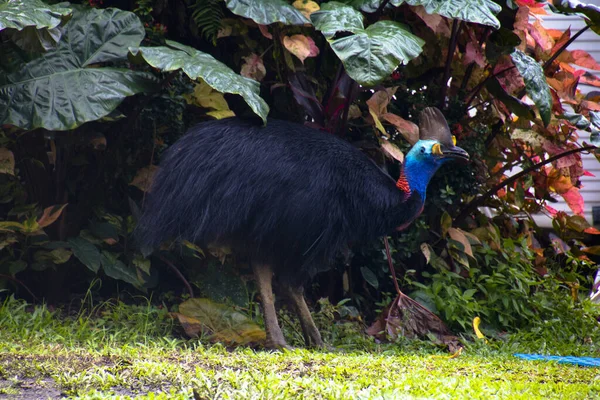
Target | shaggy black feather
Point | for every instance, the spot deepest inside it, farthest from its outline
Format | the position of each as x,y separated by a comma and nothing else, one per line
283,194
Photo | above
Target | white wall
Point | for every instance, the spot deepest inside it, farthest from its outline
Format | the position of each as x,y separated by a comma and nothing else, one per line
590,42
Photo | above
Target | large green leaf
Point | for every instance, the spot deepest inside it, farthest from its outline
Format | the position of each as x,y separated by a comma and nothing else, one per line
116,269
32,24
535,83
86,252
478,11
19,14
369,55
267,12
59,90
197,64
590,11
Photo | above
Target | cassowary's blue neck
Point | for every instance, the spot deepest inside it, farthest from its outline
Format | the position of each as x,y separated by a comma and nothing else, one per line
418,172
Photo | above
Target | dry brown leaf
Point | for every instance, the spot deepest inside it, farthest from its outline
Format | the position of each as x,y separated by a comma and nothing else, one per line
409,130
392,150
143,178
7,161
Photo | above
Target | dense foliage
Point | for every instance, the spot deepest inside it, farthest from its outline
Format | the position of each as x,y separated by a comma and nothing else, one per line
91,94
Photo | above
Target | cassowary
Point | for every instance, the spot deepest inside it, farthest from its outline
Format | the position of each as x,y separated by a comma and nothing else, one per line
289,197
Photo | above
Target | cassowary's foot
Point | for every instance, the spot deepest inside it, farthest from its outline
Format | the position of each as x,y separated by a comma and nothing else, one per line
312,336
264,276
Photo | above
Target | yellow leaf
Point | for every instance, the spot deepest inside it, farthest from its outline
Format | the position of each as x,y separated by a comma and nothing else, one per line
476,322
7,161
221,114
378,123
306,7
301,46
50,215
206,97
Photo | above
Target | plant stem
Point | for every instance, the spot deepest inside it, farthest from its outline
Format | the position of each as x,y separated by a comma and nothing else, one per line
179,275
391,265
562,48
482,84
456,25
479,200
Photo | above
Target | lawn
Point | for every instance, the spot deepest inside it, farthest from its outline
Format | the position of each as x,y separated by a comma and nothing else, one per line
133,352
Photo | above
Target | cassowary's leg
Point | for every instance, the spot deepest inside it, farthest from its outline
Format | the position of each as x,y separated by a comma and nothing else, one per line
264,276
309,329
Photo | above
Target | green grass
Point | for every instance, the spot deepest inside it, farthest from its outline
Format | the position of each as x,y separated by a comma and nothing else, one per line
131,352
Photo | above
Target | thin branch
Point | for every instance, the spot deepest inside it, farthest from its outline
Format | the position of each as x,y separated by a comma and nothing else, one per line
479,200
456,25
12,278
480,86
563,47
179,275
391,265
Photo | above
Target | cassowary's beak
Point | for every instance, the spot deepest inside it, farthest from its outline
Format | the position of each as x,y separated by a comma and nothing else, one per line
445,151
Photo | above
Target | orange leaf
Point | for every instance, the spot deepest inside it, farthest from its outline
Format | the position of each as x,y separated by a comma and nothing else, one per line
301,46
143,178
584,59
50,215
592,231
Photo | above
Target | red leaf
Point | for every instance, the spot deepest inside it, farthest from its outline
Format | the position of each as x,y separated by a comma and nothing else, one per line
592,231
574,200
588,173
265,31
473,54
551,210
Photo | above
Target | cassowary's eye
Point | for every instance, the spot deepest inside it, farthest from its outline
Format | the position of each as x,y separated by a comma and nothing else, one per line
422,150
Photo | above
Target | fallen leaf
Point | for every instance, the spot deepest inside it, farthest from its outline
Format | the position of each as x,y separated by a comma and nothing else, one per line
220,321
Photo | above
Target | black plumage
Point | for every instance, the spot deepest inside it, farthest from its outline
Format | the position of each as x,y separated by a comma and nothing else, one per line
288,196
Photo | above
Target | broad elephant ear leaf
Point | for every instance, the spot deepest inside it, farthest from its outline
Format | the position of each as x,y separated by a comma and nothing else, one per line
196,64
535,83
590,11
265,12
60,91
369,55
477,11
32,24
